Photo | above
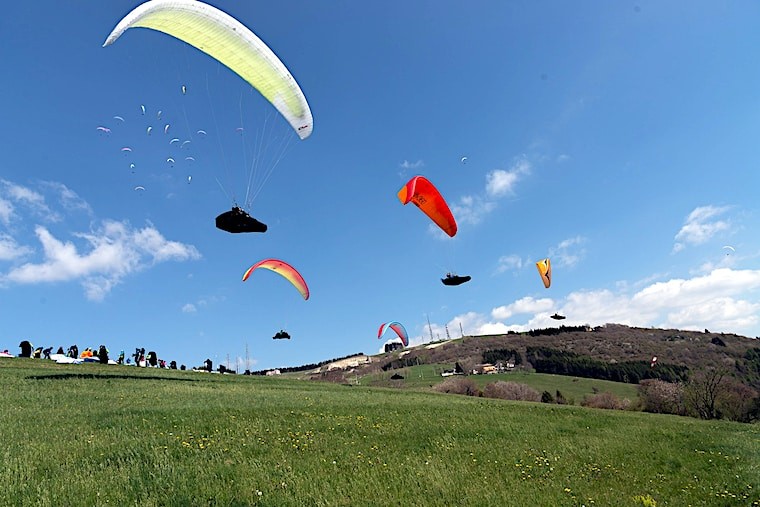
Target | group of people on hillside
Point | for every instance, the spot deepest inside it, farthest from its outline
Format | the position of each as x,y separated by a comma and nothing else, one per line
100,353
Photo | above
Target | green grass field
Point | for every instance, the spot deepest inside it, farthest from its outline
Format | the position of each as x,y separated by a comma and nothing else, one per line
573,388
106,435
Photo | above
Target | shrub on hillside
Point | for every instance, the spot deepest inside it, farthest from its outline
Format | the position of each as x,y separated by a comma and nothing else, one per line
465,386
662,397
511,391
739,402
605,400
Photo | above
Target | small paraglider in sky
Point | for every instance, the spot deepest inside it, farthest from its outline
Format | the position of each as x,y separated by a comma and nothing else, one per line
131,166
149,130
184,89
545,270
139,187
237,220
126,149
118,118
185,143
190,159
166,129
557,316
452,279
158,115
189,179
105,130
142,107
201,132
464,160
175,140
240,130
281,335
397,328
429,200
285,270
170,160
729,249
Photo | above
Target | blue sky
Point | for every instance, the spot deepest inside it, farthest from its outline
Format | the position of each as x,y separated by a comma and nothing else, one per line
620,139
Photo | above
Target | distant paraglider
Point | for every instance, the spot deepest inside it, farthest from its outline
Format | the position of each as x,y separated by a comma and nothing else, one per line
397,328
281,335
427,198
557,316
545,270
729,249
653,363
283,269
140,187
464,160
452,279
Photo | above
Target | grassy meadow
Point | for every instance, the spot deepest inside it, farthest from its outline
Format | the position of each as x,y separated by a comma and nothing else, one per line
112,435
425,376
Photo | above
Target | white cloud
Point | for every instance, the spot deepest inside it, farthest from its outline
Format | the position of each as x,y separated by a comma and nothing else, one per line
700,226
500,182
10,250
723,300
522,306
115,251
189,308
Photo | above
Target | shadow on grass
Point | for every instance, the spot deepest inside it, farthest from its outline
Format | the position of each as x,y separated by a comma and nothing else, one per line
94,376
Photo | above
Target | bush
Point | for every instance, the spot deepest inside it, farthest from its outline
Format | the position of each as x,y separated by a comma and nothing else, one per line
605,400
546,397
511,391
465,386
739,402
662,397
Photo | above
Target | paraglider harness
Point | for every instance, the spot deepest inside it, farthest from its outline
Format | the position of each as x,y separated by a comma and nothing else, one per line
237,220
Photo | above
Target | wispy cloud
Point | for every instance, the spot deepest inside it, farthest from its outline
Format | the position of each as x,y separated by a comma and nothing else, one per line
510,263
10,250
701,225
189,308
6,210
67,198
411,165
115,251
27,197
470,209
568,252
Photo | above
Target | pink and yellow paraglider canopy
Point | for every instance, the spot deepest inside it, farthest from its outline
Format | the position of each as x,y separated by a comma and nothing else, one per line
285,270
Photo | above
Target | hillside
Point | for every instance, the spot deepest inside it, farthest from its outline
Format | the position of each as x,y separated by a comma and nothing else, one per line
612,343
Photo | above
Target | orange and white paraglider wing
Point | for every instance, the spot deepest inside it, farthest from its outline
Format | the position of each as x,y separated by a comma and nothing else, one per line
425,196
285,270
545,270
